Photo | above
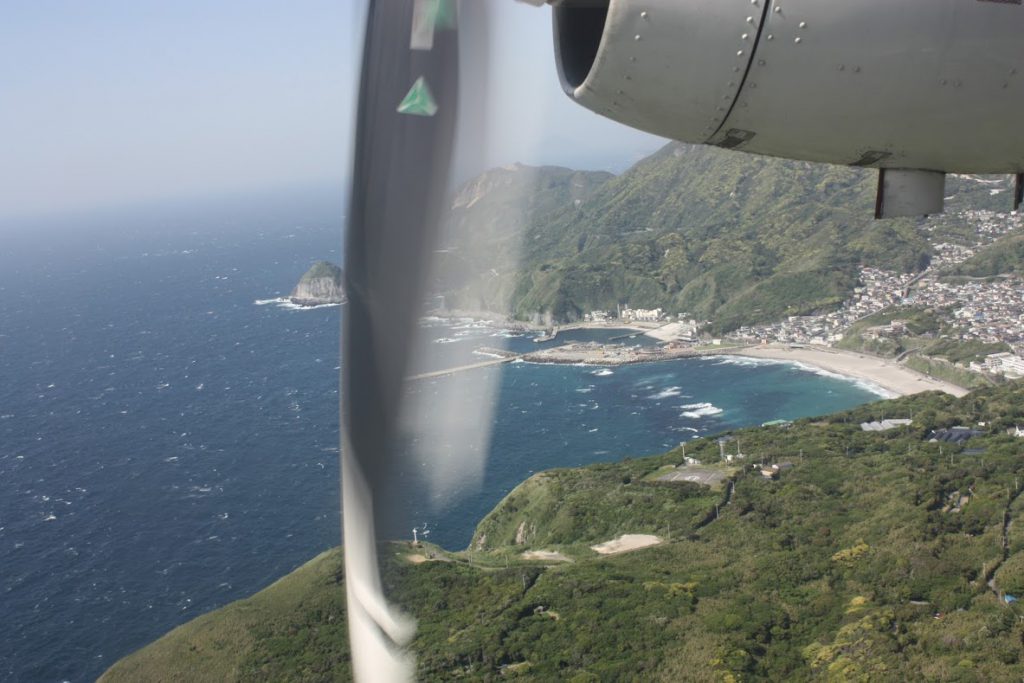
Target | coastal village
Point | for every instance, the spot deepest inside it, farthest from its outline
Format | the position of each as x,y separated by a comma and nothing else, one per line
990,311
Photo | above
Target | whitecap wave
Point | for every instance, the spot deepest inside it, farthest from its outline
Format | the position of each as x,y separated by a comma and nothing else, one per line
696,411
603,372
670,392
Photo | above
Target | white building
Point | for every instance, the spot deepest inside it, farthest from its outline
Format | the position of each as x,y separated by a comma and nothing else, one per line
642,314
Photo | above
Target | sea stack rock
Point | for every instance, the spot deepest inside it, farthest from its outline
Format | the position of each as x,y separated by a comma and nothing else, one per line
322,284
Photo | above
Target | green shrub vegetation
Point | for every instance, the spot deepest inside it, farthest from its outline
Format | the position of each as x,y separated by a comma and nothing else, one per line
877,556
323,269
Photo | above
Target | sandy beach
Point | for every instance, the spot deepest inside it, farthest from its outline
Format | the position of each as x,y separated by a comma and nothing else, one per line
890,376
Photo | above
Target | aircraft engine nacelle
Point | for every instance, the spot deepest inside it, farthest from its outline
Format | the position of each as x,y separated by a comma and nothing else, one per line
918,86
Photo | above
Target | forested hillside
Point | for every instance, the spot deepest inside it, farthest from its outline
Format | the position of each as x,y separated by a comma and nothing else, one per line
716,234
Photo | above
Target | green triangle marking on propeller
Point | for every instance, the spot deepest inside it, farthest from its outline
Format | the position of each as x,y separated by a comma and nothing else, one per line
418,101
445,16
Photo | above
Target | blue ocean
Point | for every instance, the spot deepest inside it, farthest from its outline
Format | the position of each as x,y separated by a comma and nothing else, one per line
168,433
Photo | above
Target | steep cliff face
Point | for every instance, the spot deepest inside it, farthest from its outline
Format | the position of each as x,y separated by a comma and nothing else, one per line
322,284
486,228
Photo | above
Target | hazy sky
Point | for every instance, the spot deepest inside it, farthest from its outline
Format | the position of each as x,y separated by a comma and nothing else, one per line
116,102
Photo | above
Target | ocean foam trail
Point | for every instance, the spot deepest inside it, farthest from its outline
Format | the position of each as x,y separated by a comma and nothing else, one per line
670,392
746,362
287,304
864,384
604,372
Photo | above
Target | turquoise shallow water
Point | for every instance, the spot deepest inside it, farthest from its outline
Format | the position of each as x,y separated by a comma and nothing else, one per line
168,446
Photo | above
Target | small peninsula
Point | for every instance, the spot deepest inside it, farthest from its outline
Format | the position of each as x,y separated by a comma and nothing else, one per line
321,285
857,546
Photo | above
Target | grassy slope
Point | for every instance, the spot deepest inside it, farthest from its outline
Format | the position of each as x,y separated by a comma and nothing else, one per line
323,269
1004,256
833,572
242,641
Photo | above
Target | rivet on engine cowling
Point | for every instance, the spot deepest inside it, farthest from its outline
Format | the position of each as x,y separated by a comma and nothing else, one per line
802,24
856,69
632,59
636,37
739,53
778,9
797,40
643,15
744,36
771,37
750,20
732,84
943,81
735,69
760,62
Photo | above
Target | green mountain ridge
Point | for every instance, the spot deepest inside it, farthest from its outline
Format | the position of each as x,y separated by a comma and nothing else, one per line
875,556
716,234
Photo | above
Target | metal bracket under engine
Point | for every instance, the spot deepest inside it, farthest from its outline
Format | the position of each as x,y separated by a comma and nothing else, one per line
909,192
